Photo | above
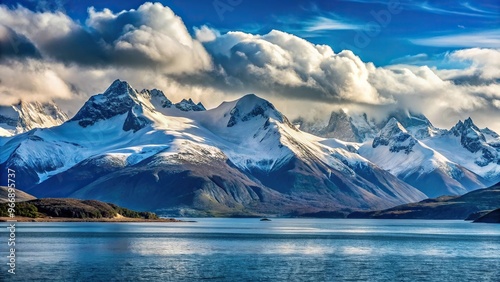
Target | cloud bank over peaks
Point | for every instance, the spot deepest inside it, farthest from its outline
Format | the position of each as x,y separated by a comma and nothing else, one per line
151,47
285,64
151,36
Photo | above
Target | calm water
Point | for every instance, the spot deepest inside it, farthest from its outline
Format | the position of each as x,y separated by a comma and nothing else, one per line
250,250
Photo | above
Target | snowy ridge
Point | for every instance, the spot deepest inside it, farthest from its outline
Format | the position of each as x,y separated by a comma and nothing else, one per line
397,151
120,98
243,157
242,153
466,144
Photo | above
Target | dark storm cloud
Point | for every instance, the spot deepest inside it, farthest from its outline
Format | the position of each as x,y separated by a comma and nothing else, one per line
151,36
77,46
15,45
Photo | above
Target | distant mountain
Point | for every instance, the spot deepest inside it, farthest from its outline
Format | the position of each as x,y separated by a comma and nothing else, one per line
445,207
399,152
466,144
135,149
189,105
354,127
477,150
244,157
436,161
351,128
26,116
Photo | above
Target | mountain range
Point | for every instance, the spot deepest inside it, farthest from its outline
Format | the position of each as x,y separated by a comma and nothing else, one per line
139,150
436,161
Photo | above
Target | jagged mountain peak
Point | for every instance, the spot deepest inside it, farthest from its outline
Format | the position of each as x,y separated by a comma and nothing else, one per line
473,139
340,114
189,105
118,99
415,123
470,135
353,128
395,135
468,123
251,106
398,151
121,88
25,116
157,98
393,126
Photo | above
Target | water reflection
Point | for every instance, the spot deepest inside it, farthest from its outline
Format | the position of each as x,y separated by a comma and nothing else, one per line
284,249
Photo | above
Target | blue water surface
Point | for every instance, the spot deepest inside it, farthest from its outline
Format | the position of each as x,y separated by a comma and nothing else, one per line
227,249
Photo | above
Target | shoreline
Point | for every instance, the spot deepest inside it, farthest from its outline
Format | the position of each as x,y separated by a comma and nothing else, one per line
68,219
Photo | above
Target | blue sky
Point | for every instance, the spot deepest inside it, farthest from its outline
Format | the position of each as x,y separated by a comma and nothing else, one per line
413,29
439,58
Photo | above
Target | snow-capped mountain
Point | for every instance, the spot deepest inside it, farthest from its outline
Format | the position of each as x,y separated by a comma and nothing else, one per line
396,150
25,116
351,128
477,150
189,105
465,148
244,157
416,124
140,150
121,98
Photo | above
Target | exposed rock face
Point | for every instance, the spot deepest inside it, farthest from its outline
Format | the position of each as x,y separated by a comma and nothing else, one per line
134,120
473,139
340,126
157,96
118,99
470,135
397,151
396,137
360,128
189,105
